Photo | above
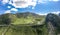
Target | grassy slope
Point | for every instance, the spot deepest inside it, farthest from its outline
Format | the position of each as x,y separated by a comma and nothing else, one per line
24,30
29,19
27,30
2,29
20,31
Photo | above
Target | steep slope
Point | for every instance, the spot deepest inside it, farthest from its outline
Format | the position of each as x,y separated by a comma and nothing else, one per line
4,19
53,23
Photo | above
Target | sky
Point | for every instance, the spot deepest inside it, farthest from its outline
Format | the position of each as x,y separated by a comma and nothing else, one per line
41,7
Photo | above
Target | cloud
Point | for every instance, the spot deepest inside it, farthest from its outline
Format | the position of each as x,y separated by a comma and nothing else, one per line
26,3
57,12
54,0
5,1
8,11
42,13
45,1
41,1
21,3
14,9
9,6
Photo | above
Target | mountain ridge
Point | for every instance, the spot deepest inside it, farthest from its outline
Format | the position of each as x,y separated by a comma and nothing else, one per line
22,18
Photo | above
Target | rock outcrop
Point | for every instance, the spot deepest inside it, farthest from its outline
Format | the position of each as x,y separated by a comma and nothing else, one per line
53,23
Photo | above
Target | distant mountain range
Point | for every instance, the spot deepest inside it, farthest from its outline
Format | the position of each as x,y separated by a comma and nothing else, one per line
20,18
